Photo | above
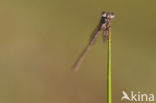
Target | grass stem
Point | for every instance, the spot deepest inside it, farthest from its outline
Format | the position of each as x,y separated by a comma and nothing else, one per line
109,95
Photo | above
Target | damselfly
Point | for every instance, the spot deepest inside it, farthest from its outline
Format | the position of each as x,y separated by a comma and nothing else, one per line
103,25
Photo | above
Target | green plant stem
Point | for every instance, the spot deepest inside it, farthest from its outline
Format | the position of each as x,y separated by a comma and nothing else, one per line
109,95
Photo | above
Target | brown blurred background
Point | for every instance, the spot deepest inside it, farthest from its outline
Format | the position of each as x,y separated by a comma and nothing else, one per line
41,39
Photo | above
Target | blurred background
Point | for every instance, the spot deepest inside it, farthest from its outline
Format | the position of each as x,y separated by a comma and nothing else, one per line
41,39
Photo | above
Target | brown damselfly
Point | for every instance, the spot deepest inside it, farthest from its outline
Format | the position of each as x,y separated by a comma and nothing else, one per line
104,26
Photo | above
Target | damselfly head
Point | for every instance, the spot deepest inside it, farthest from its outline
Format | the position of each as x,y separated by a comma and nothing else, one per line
104,14
110,15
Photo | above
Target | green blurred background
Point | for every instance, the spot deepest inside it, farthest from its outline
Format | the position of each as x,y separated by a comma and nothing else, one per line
41,39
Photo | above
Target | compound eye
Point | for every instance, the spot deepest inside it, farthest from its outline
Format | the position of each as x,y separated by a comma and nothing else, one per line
112,15
104,14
